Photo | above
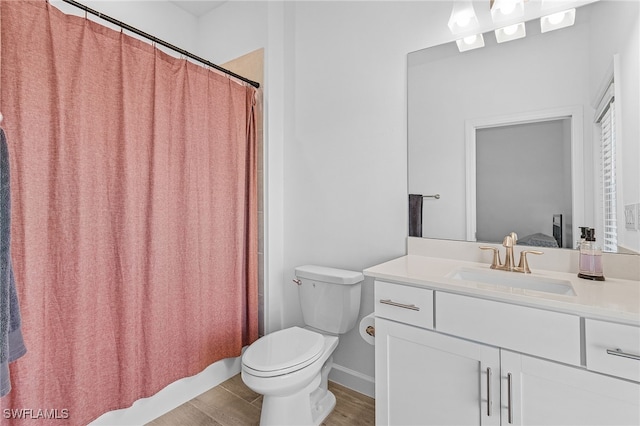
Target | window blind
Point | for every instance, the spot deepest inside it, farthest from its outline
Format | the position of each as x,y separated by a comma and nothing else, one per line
608,174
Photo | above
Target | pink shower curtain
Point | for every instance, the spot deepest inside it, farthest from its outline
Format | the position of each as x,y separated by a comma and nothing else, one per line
134,213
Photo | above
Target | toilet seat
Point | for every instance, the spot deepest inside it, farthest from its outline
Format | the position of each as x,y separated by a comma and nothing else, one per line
283,352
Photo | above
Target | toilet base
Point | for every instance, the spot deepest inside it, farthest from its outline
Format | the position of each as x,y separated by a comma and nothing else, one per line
310,407
323,407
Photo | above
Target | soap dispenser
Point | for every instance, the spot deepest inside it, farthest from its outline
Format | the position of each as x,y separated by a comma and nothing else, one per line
590,258
583,236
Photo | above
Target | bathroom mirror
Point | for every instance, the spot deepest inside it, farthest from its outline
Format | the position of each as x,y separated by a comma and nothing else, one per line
465,112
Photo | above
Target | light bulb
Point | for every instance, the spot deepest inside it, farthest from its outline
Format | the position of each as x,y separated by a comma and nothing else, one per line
507,7
511,29
463,19
556,18
470,39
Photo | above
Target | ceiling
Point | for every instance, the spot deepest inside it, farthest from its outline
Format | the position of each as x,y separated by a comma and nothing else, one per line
197,7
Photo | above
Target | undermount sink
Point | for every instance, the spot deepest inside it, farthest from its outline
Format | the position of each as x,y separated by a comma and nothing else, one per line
514,280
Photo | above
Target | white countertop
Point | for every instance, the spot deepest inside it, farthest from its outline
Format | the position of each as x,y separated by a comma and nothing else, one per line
615,300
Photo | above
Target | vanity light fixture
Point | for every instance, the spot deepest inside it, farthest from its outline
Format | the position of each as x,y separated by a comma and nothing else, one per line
558,20
506,10
470,42
511,32
463,17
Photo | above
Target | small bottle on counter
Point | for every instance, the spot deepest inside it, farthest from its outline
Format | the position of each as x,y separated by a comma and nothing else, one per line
590,258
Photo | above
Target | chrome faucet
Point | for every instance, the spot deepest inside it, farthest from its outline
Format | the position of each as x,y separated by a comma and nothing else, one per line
508,242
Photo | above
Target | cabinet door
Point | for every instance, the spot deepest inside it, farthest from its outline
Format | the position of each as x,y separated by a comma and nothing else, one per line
548,393
426,378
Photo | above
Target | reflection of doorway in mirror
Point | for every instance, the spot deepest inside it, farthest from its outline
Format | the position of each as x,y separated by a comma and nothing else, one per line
523,194
523,179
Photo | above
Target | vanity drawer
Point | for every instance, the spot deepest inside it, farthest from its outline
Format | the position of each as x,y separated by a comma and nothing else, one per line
410,305
613,349
537,332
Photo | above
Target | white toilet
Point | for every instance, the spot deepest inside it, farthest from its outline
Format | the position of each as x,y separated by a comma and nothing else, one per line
290,367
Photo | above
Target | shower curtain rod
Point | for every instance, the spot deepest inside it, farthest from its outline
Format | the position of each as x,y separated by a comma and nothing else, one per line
160,42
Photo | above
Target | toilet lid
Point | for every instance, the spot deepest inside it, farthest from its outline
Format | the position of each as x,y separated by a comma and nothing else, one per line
284,351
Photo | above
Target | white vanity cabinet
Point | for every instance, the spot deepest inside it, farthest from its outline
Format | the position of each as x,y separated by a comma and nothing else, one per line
427,378
451,359
541,392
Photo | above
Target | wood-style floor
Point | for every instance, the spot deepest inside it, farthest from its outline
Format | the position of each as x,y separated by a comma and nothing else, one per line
233,404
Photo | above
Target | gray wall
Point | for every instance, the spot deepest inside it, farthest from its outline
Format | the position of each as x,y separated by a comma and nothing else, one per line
528,162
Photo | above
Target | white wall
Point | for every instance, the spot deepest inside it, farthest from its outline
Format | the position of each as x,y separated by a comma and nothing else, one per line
345,186
158,18
233,29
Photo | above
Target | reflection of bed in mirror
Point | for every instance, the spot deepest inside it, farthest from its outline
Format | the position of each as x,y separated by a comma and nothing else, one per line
540,239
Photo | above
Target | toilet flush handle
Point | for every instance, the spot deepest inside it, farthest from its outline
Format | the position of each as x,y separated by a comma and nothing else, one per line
297,282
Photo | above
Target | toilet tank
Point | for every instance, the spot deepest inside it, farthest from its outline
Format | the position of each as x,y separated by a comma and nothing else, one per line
329,297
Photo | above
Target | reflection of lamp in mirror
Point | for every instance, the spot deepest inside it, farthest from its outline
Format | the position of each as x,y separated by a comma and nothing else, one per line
470,42
511,32
503,10
558,20
463,17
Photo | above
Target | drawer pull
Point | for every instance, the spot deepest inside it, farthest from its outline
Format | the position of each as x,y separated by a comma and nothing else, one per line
399,305
489,401
509,399
618,352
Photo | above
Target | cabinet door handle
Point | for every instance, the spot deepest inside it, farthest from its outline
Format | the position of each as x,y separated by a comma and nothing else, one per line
399,305
618,352
489,402
509,399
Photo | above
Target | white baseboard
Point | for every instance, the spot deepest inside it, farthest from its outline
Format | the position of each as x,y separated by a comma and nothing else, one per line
175,394
353,380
